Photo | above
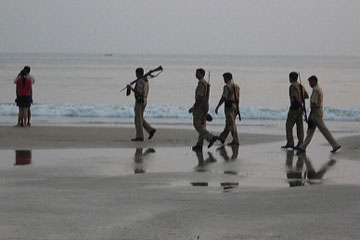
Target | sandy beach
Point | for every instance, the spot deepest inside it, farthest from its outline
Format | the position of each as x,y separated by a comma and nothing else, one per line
104,137
93,183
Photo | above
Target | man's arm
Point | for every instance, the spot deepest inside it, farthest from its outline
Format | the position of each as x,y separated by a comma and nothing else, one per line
221,101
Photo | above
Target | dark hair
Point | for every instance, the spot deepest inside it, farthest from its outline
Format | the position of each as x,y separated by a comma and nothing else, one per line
139,71
313,78
27,69
201,71
227,76
293,76
23,77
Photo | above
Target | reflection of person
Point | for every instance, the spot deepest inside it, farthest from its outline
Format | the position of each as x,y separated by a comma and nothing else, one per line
139,157
26,70
200,110
311,173
223,153
230,96
296,175
297,94
22,157
316,118
23,96
141,92
203,163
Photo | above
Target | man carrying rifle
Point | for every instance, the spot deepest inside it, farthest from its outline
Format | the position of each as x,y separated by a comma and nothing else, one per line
297,94
230,96
200,110
141,91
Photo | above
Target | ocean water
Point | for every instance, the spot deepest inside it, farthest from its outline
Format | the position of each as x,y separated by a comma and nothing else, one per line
87,86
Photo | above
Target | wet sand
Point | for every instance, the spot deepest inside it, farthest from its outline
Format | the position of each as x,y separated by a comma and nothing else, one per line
40,137
92,183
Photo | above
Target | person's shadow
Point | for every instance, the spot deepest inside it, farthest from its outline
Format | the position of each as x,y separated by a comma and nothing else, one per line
297,176
139,159
22,157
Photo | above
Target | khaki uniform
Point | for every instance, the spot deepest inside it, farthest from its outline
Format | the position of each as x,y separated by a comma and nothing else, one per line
295,113
141,94
230,113
200,112
316,120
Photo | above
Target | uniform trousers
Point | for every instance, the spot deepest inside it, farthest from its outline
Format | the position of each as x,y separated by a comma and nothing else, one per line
230,125
199,122
316,121
294,117
140,122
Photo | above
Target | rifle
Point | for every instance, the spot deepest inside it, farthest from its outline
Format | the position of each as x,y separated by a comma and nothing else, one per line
208,116
149,74
303,99
237,102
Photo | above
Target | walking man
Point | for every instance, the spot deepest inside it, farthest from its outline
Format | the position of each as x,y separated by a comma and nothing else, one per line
297,94
230,96
200,110
316,118
141,92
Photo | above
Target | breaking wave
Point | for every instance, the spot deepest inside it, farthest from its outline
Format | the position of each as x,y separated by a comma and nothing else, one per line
163,112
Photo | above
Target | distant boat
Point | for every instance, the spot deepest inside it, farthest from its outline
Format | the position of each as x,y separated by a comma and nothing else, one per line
108,54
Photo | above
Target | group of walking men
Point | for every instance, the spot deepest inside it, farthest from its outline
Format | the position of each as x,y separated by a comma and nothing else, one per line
230,97
298,94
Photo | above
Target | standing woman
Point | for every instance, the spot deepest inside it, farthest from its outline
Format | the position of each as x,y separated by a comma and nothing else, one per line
23,93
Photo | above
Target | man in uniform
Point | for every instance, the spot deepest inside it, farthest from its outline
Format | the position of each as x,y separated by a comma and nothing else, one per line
231,96
297,95
316,118
141,92
200,110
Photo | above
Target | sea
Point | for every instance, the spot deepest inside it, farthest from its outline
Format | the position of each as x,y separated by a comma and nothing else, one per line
85,89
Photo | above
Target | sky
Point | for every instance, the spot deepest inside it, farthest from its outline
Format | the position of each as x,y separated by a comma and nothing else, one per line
235,27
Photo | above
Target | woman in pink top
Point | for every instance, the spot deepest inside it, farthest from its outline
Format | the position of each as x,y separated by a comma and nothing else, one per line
23,93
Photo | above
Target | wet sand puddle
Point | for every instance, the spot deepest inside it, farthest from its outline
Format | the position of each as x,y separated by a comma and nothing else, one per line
220,168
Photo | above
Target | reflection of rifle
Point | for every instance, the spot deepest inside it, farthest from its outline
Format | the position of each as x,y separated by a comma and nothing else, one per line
149,74
303,99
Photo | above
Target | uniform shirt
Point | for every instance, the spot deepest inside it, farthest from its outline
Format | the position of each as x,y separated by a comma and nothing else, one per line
201,90
142,88
316,100
228,92
295,92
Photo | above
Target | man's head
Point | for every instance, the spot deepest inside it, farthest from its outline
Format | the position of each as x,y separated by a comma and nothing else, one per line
227,77
200,73
139,72
313,81
293,76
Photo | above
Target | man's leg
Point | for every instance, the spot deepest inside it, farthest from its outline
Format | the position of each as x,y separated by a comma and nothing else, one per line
139,118
300,129
290,122
325,131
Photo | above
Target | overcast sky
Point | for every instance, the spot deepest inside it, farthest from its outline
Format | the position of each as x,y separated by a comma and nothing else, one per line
250,27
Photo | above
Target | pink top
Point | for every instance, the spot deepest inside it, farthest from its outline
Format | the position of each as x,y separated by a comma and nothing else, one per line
21,89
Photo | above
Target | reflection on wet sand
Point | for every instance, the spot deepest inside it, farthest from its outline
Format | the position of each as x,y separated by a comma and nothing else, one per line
22,157
139,159
297,176
204,163
204,166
